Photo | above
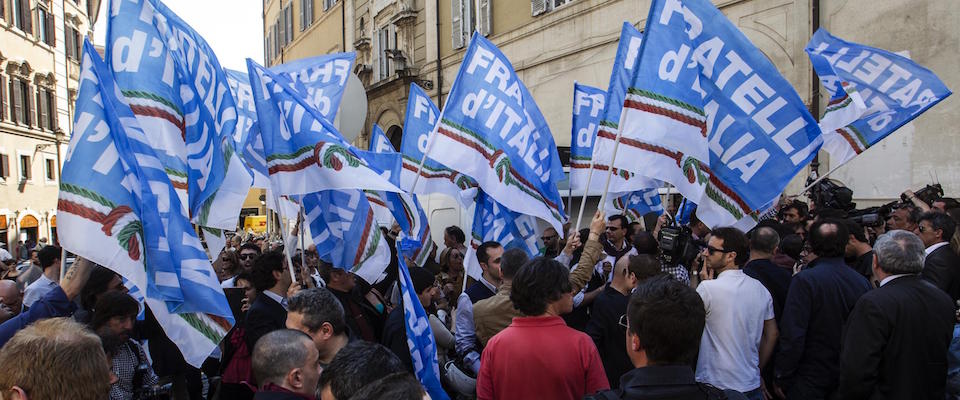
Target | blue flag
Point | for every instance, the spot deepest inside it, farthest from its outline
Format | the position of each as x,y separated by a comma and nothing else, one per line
420,341
345,232
418,123
179,92
873,92
634,205
492,131
321,80
494,222
303,151
628,50
379,142
588,103
118,208
707,112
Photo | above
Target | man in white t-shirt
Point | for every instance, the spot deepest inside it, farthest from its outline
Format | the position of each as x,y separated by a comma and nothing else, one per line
740,331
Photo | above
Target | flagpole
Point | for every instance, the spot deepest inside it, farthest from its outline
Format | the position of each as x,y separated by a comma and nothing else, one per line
63,263
283,237
586,191
303,247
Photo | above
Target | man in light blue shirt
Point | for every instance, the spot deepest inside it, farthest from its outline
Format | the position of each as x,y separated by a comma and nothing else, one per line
49,258
467,343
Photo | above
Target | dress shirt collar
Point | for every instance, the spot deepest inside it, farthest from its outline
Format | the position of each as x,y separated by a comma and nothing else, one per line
933,248
892,277
277,298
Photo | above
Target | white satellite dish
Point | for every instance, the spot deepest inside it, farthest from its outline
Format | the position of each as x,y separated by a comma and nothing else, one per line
352,113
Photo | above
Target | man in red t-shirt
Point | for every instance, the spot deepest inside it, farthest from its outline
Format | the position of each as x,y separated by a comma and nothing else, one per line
539,357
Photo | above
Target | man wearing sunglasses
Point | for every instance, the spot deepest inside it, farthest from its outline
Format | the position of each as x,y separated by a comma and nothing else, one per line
941,266
740,330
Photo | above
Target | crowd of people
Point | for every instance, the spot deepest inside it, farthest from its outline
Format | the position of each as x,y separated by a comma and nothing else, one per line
814,303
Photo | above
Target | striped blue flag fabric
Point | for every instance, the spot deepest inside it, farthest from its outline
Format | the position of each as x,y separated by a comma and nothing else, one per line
420,340
345,231
303,151
494,222
118,208
179,93
873,92
492,130
420,119
634,205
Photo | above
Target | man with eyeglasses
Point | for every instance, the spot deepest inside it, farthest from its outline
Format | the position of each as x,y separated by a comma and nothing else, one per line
740,330
248,253
818,303
941,266
615,242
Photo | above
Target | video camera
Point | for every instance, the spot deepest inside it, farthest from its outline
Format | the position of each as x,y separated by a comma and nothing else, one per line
831,194
677,245
928,194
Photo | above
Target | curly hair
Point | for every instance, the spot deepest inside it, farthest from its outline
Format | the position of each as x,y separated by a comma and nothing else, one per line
537,284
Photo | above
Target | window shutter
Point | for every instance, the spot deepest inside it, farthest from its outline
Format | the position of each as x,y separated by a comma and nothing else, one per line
538,7
51,30
27,15
3,92
41,109
16,106
52,110
289,23
28,171
68,39
5,164
376,55
485,17
281,24
456,26
27,109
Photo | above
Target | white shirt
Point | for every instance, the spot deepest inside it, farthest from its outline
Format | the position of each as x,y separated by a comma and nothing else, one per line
36,290
229,283
932,248
276,297
892,277
736,306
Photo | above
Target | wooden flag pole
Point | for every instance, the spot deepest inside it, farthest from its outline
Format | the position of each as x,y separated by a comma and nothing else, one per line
283,237
430,140
586,191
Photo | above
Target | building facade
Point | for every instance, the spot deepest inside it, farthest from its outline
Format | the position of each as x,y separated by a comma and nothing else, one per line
553,43
40,50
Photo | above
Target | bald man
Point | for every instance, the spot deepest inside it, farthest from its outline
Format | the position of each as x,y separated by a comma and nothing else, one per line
11,300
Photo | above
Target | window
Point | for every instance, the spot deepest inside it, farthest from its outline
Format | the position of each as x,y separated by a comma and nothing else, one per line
288,21
538,7
465,20
46,109
22,18
45,31
50,169
383,43
328,3
306,14
73,42
20,102
3,94
25,173
4,166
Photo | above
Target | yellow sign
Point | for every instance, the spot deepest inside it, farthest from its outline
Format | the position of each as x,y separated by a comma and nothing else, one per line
256,223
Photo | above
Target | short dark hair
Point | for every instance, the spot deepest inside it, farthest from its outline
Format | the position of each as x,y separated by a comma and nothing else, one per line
48,255
734,240
277,353
644,266
113,304
798,205
624,222
856,230
940,221
318,306
511,261
539,283
261,275
829,244
482,255
396,386
645,243
358,364
668,317
249,246
97,284
913,213
791,245
456,233
764,239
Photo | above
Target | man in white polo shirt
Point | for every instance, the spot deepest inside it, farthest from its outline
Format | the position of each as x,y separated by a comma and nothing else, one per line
740,331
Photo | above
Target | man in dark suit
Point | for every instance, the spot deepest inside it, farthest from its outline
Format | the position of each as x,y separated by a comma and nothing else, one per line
896,339
763,244
941,266
271,278
818,303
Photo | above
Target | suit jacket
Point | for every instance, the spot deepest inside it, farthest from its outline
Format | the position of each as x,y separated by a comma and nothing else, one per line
818,303
264,316
942,269
494,314
607,334
895,343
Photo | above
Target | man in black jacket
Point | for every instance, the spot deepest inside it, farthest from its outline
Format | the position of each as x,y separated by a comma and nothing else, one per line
664,322
818,303
941,266
271,278
896,339
395,330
